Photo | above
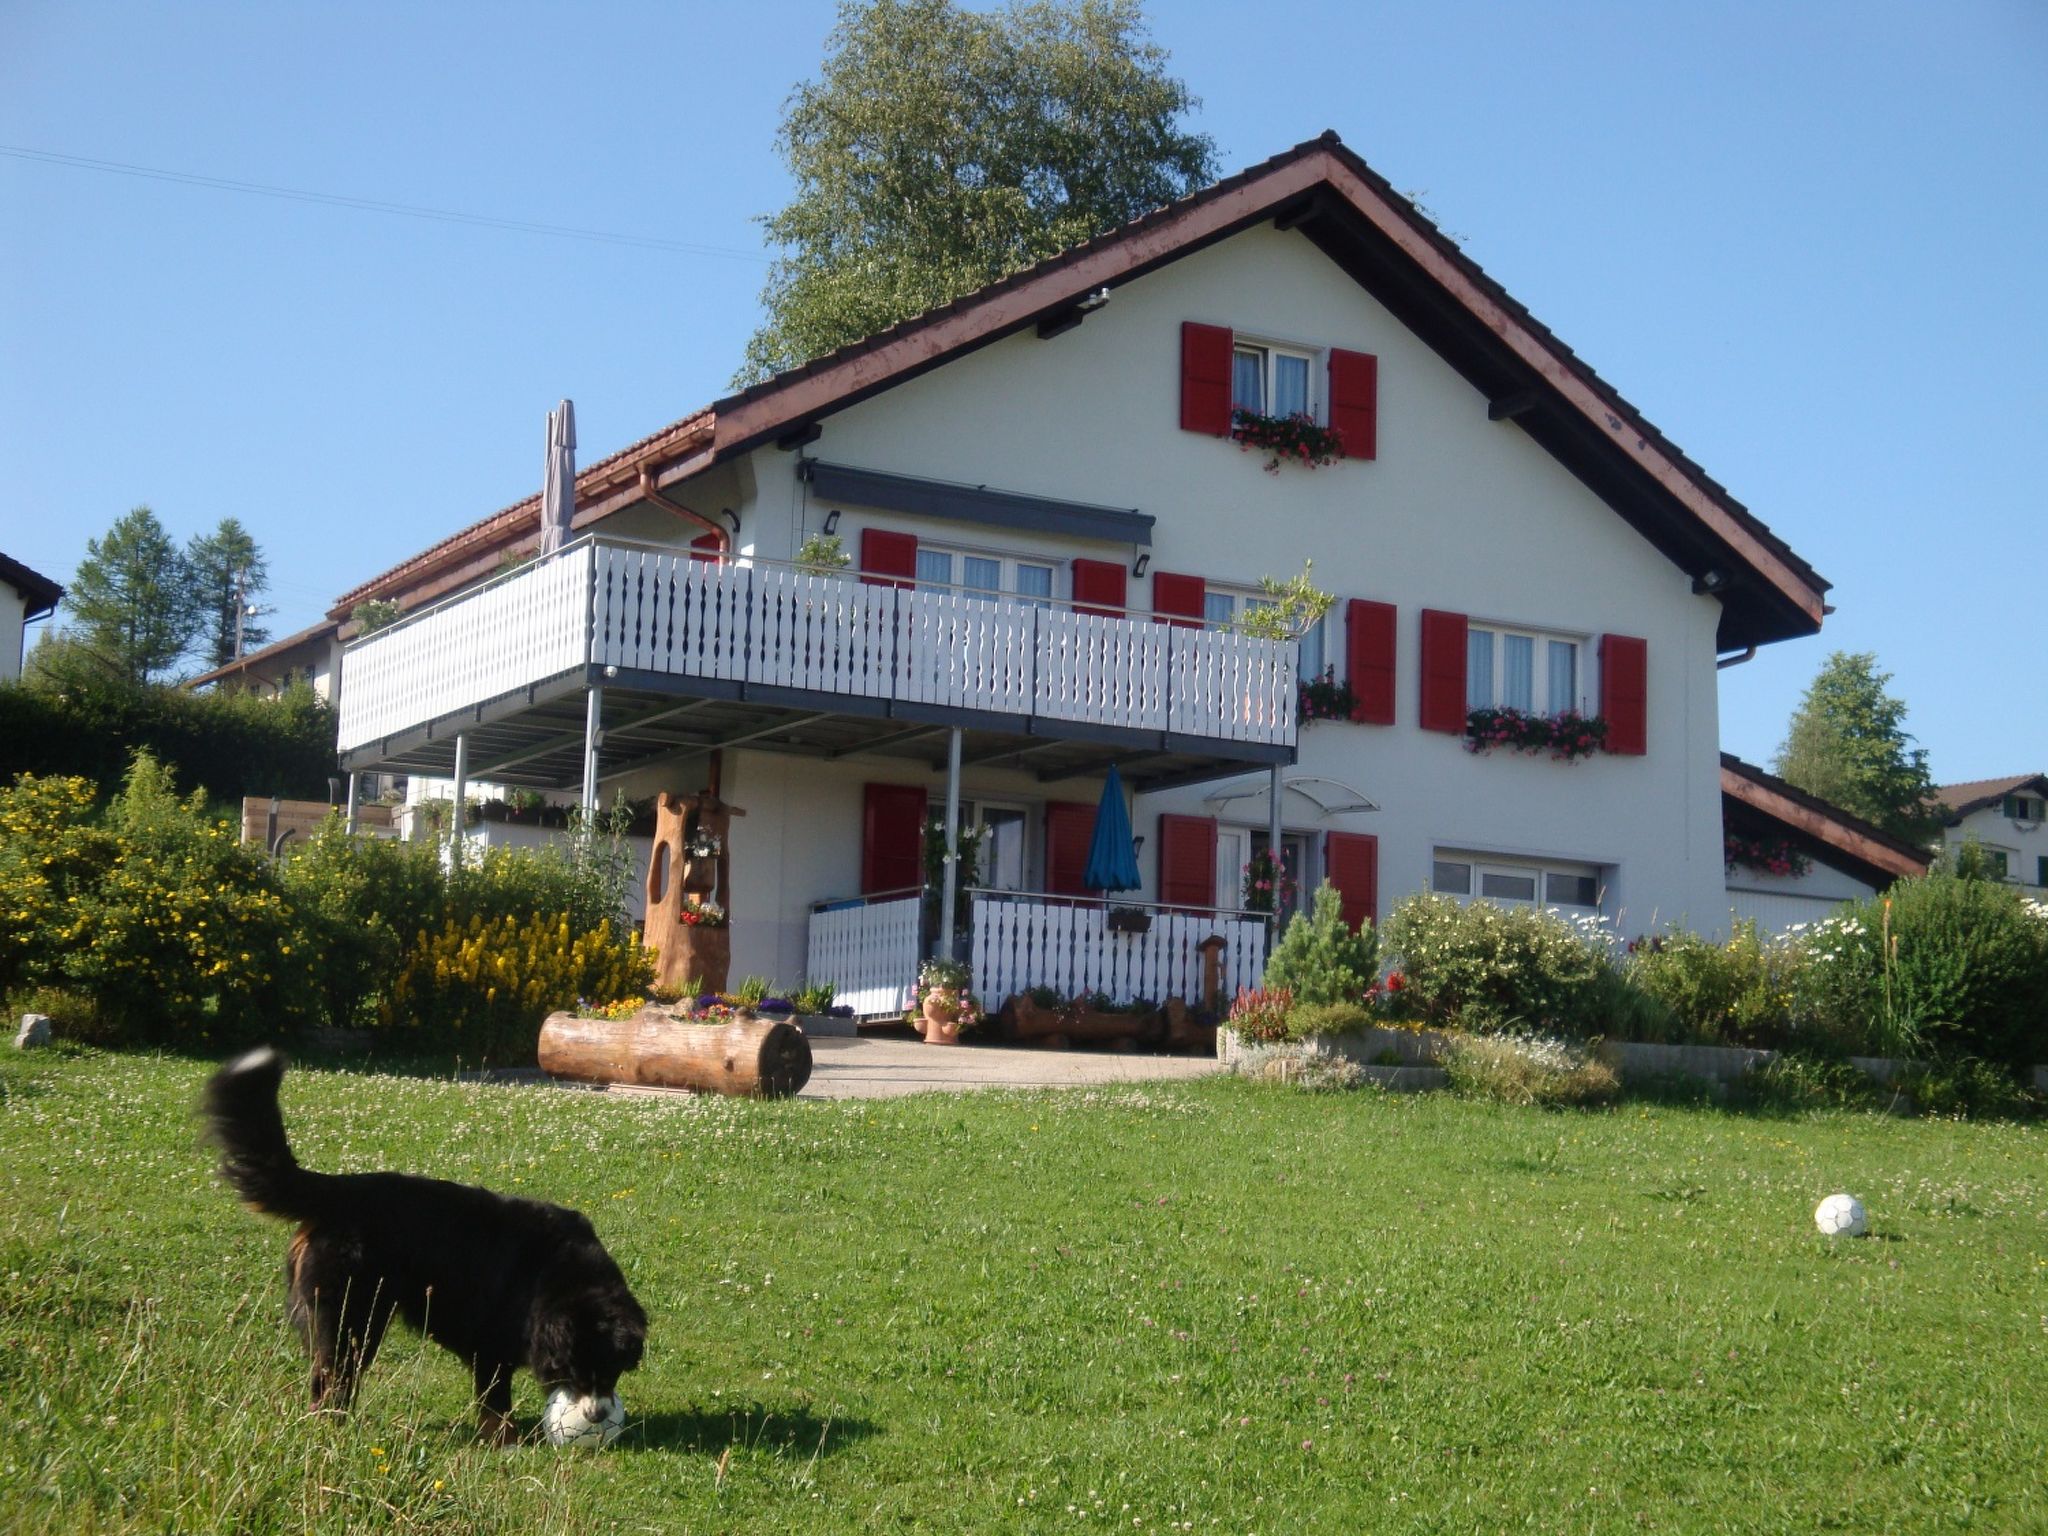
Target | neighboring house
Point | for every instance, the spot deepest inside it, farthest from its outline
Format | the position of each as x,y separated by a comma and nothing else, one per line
2003,817
1053,534
1792,858
312,656
25,596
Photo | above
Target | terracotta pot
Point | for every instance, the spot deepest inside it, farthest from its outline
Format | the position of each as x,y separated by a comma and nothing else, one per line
941,1019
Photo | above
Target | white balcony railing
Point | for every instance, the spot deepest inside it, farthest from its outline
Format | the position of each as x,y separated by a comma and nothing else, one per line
1022,942
646,609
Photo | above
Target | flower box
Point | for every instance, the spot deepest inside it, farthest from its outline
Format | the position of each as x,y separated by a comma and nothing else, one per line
1567,736
1297,439
1128,920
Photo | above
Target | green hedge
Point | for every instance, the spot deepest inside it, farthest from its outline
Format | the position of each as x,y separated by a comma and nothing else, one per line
228,744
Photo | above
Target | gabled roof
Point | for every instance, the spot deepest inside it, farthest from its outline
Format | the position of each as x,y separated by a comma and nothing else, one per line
308,641
1975,794
1848,842
1385,243
37,590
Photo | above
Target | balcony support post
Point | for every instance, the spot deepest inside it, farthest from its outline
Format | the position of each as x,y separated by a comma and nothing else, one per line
456,817
1274,847
353,819
593,734
949,881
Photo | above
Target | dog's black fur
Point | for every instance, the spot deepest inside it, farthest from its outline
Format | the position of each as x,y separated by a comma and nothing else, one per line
504,1283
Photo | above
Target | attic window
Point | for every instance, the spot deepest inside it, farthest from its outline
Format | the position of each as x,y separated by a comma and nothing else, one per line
1271,380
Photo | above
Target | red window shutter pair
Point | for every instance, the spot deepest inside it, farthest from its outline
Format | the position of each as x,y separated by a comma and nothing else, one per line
1625,693
1099,587
1206,354
885,555
1069,826
1351,862
1187,861
1179,599
892,838
1369,642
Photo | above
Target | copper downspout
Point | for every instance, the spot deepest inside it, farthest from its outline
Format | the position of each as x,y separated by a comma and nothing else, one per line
650,492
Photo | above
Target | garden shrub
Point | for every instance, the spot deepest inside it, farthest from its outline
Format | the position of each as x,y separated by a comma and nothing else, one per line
1486,967
1320,958
1306,1019
1793,1082
364,902
1260,1017
1942,965
483,986
1528,1070
1968,1087
154,912
1736,993
1292,1066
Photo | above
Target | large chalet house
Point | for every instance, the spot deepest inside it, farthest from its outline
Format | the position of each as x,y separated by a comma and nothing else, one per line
2003,818
1055,533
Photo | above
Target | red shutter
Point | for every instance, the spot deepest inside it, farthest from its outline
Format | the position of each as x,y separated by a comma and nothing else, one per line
1068,828
1178,599
1187,861
884,554
1625,693
706,546
1443,671
1355,401
1369,659
1351,860
1099,584
892,838
1205,358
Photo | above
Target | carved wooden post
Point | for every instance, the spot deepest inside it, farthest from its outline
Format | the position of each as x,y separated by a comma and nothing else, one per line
1211,951
682,871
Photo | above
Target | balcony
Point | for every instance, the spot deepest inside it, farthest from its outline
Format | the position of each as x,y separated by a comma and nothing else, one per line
681,653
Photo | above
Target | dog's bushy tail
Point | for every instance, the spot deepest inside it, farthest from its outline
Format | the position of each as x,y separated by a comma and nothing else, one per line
241,1110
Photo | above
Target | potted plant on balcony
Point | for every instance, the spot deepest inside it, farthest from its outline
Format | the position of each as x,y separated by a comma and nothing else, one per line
942,1000
822,555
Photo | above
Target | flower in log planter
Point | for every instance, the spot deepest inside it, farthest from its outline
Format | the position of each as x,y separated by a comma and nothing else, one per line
1567,736
941,1000
1296,439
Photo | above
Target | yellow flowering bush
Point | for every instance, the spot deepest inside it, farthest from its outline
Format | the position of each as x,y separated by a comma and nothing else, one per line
484,984
52,853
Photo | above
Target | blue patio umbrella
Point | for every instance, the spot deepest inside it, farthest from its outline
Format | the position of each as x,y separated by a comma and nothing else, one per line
1111,864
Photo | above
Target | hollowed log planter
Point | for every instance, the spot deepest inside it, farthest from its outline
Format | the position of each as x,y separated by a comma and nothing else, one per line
750,1058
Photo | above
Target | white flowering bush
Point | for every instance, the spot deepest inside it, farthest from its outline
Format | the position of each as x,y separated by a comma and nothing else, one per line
1485,967
1528,1069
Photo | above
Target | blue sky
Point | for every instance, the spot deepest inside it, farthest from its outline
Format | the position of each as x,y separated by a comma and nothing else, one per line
1808,241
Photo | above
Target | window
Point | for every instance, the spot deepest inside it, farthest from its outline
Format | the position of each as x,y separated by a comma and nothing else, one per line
1003,840
1271,380
2000,862
1221,607
2041,870
1465,875
1528,670
995,574
2023,807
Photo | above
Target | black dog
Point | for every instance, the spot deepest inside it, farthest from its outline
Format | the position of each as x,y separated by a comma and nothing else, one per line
504,1283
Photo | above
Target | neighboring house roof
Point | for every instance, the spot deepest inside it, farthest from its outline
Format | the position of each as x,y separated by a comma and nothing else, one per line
1838,838
310,642
1383,241
1961,799
41,594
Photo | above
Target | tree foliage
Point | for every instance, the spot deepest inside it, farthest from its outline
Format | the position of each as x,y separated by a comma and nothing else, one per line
226,570
131,602
1847,744
943,148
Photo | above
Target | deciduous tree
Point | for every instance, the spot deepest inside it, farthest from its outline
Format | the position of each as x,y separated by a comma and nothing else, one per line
943,148
1848,744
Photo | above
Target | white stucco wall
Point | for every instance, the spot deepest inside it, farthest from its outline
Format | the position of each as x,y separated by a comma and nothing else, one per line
12,612
1456,513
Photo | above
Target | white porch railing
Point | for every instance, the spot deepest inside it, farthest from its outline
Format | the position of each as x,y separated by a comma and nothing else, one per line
647,609
869,950
1023,943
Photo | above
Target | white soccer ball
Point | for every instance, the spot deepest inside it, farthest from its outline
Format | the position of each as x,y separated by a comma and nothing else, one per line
1841,1216
586,1421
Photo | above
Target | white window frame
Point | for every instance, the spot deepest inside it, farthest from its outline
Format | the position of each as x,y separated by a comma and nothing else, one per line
1266,349
1478,865
1540,701
1008,560
1314,644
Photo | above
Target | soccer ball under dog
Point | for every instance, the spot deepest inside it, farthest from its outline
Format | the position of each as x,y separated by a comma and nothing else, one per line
584,1421
1840,1216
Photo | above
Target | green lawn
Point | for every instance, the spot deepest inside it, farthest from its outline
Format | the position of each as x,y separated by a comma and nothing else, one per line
1191,1307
